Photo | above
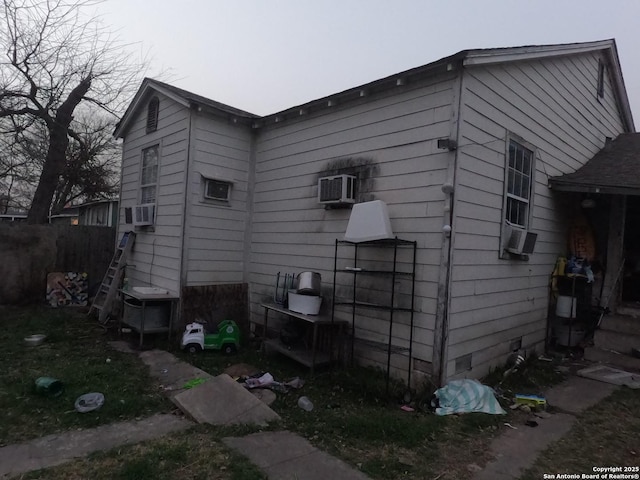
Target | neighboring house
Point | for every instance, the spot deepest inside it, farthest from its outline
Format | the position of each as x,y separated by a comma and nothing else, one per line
13,217
101,213
461,150
68,216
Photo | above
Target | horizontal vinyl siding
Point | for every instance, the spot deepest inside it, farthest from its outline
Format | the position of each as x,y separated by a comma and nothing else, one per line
397,133
156,254
216,232
552,105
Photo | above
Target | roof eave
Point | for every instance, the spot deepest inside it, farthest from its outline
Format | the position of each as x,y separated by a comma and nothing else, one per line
578,187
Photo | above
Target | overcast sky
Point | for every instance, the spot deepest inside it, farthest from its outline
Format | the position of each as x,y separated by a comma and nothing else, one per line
266,56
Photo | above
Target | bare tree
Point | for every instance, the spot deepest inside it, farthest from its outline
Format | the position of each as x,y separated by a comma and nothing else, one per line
55,59
91,171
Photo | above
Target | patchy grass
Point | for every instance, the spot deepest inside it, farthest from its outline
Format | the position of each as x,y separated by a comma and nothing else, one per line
606,435
353,417
195,454
75,352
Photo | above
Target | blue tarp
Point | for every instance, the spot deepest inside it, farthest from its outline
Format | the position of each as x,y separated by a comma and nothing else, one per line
465,396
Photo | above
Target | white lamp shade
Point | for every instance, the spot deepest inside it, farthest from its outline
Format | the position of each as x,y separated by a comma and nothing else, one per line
369,221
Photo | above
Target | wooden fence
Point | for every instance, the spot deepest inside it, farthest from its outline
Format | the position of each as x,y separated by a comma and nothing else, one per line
28,253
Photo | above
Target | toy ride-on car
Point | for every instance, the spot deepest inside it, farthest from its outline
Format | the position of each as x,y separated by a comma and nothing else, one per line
194,338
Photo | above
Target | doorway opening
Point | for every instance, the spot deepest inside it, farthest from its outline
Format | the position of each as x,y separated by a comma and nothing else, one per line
631,278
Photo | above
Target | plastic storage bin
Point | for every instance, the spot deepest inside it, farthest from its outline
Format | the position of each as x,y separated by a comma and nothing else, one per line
156,314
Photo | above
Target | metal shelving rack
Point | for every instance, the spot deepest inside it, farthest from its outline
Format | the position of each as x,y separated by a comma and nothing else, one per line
356,271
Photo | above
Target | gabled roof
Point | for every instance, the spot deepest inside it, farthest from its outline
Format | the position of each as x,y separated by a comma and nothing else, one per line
180,96
462,59
613,170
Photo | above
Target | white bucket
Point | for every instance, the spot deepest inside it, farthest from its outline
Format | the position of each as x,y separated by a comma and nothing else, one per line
566,306
307,304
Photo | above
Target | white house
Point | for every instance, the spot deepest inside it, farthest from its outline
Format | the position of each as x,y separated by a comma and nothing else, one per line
227,199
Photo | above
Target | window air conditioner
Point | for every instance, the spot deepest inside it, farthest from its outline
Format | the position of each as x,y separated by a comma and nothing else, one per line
337,189
144,214
520,241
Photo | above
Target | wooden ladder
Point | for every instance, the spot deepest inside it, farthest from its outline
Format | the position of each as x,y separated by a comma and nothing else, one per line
109,287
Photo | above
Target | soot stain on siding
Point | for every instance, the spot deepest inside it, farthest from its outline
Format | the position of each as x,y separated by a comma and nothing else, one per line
363,168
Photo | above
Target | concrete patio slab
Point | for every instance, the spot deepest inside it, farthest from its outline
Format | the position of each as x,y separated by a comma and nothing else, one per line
170,371
223,401
614,376
286,456
577,394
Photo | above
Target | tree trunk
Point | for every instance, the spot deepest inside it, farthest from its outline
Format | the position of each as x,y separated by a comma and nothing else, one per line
56,155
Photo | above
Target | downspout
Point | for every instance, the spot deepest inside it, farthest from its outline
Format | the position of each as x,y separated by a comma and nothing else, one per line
184,257
441,330
248,229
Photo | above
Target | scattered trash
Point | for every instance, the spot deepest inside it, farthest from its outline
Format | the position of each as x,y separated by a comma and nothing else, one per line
514,361
35,340
295,382
534,401
266,380
164,370
89,402
108,360
465,396
262,381
193,383
510,426
49,387
407,408
305,404
531,423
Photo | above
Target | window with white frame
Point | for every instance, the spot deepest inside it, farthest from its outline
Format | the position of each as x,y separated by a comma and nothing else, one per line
149,174
215,189
519,182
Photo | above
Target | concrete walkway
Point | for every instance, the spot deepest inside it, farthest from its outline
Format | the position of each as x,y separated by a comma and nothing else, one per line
285,455
516,450
60,448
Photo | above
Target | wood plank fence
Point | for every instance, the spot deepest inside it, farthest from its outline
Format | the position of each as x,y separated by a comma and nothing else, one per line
28,253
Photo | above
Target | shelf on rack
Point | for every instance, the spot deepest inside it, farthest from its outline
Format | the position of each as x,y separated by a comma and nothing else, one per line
383,347
375,306
389,284
375,272
300,354
389,242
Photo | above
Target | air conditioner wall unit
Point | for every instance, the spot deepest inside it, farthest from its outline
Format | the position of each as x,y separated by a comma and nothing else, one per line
144,214
337,189
520,241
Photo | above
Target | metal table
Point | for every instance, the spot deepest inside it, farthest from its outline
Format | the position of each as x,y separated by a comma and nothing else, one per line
307,357
143,298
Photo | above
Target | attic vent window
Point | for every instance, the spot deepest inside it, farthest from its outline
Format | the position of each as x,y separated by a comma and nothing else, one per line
601,71
152,114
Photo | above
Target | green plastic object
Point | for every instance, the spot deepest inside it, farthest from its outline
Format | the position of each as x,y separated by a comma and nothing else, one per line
49,387
226,339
